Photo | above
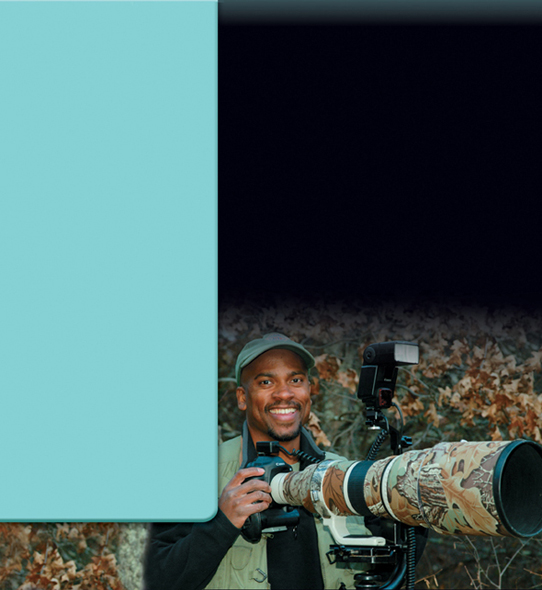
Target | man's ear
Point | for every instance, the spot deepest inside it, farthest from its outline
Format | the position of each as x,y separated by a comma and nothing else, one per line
241,398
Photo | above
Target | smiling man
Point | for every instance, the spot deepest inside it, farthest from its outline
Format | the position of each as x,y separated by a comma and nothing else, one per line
273,390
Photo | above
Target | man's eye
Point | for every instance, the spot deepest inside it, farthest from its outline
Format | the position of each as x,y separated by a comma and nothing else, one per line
265,382
297,379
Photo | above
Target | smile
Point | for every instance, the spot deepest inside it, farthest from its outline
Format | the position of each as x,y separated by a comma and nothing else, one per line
282,410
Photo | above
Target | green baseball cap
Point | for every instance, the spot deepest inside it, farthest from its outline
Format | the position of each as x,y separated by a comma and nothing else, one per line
274,340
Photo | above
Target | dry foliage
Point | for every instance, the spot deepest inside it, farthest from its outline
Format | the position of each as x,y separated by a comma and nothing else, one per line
59,556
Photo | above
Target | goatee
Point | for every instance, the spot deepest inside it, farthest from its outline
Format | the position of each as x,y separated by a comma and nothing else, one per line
284,437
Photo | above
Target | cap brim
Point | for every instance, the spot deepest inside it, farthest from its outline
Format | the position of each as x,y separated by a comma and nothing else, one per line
307,358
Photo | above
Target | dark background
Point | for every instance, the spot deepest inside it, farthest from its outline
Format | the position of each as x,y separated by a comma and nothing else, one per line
393,161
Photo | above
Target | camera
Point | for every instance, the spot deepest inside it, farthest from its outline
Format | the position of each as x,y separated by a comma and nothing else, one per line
277,517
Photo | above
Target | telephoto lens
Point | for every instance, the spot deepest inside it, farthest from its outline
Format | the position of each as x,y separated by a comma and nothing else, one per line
459,488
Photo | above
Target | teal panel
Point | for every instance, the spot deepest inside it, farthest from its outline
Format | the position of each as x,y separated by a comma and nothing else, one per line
108,257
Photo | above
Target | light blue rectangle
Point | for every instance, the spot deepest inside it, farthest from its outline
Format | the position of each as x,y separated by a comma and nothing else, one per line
108,256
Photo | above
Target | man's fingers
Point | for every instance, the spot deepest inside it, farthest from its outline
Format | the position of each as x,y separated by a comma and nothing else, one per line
256,502
254,485
241,498
258,506
238,481
243,474
259,496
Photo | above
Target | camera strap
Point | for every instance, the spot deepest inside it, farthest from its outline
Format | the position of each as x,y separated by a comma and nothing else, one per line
245,438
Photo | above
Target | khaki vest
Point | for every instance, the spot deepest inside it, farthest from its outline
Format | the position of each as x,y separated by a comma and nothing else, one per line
245,564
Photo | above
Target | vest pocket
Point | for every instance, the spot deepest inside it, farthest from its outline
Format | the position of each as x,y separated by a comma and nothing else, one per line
233,571
240,556
248,566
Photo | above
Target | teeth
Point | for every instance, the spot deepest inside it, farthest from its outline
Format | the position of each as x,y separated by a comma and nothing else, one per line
282,411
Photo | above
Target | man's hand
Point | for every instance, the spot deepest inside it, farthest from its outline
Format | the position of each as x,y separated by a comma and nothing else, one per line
241,498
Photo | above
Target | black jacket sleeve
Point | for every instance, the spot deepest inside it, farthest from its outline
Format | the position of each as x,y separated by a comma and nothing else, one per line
185,556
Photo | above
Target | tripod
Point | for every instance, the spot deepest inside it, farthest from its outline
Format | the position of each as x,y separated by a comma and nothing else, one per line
394,561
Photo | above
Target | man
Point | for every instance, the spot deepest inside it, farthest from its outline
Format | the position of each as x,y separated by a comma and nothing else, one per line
274,391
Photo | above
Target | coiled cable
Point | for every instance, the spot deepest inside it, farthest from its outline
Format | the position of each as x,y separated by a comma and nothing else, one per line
302,455
375,447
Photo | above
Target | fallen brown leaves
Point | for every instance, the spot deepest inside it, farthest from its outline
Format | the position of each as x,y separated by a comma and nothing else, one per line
59,556
313,424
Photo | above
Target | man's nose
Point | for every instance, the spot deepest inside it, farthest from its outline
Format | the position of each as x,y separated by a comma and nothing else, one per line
283,391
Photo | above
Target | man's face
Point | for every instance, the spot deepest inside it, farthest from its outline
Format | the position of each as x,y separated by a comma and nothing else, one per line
275,392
